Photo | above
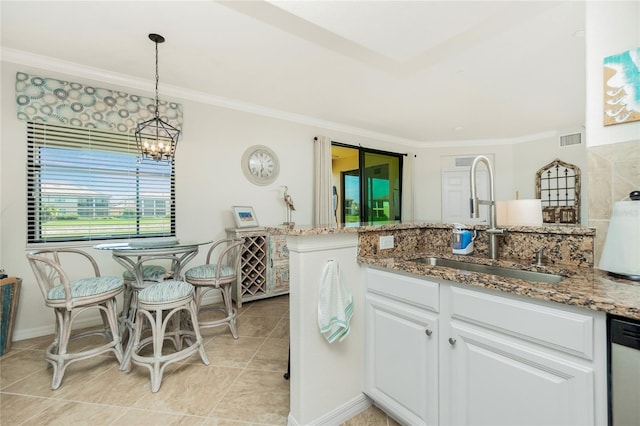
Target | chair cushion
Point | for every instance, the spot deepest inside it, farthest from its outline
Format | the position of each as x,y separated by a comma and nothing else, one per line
149,273
86,287
165,291
209,271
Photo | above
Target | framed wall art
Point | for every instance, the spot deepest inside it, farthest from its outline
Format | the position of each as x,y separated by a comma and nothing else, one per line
622,87
244,217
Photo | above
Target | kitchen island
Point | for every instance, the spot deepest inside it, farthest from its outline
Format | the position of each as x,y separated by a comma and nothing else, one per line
327,379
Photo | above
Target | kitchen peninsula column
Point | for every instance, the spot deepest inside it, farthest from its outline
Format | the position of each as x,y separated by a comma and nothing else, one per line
326,379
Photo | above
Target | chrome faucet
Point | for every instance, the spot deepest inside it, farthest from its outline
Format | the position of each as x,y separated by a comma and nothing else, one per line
491,202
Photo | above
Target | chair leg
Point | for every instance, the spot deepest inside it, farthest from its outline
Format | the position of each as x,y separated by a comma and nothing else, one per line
134,341
111,323
193,311
198,294
130,323
157,330
126,305
56,353
230,310
177,323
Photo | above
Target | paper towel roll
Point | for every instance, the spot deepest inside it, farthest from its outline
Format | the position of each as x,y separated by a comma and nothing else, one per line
519,213
621,252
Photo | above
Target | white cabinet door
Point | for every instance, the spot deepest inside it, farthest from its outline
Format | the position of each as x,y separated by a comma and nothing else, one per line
447,355
401,360
494,379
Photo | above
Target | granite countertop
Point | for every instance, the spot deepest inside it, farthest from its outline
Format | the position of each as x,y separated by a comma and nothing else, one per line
305,230
588,288
584,287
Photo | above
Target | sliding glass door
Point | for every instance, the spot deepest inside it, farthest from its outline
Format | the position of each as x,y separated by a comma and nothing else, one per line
370,184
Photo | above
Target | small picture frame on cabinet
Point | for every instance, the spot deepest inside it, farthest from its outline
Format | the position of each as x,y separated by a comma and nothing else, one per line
244,217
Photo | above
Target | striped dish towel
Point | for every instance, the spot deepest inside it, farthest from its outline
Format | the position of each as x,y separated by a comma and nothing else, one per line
335,304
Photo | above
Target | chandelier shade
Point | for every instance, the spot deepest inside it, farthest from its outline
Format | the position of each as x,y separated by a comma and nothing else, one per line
156,139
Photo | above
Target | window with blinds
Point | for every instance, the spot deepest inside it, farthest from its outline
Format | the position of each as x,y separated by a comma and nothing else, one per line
88,184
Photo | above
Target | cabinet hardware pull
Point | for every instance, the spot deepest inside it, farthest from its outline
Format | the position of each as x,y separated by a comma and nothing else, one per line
428,332
452,341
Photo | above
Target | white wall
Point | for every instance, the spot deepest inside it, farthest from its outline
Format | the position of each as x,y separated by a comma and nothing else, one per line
209,181
515,167
529,157
612,28
428,178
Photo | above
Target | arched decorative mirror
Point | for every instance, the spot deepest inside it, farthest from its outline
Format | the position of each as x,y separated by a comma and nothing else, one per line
558,187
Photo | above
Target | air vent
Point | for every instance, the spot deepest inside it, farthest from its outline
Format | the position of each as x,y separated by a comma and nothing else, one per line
575,139
464,161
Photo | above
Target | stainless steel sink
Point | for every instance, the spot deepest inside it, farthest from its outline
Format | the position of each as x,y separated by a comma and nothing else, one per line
492,270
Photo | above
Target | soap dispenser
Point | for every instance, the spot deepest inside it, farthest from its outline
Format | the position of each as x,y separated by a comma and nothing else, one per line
462,240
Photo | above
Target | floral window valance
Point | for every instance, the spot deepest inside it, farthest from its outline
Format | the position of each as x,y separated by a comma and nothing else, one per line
56,101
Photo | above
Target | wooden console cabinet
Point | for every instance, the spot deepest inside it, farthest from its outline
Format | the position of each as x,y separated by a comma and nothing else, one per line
264,265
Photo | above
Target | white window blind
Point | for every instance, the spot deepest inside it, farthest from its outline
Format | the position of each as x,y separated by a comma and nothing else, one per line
88,184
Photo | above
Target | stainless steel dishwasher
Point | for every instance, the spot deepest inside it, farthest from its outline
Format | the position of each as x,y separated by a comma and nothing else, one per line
624,372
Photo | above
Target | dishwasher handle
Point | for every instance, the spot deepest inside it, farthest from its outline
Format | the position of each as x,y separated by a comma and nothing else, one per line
625,333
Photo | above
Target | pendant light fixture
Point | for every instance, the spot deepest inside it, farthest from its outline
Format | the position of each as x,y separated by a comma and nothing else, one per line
156,138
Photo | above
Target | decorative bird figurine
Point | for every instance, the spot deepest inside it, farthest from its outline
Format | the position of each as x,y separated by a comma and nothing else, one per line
289,203
288,200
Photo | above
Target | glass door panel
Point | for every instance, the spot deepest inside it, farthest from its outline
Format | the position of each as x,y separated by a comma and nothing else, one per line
381,186
351,191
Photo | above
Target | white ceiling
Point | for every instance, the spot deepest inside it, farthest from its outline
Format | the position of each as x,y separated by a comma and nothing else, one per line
417,72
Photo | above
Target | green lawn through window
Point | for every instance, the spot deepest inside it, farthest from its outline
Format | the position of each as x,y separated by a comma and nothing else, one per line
116,226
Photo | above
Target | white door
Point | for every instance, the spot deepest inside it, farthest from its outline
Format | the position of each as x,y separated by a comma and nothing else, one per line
401,360
456,196
493,380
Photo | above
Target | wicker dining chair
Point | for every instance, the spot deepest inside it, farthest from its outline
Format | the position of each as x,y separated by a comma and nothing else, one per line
151,274
219,275
170,311
68,298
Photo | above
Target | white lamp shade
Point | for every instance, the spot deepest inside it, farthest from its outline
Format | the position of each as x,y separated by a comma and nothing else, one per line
621,253
519,213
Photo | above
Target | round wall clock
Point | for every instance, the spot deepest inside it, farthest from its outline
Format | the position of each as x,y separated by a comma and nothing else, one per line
260,165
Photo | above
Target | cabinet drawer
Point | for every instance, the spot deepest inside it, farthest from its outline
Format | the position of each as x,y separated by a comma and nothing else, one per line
415,291
565,331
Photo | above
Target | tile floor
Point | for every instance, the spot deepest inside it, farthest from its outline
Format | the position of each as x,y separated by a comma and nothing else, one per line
243,385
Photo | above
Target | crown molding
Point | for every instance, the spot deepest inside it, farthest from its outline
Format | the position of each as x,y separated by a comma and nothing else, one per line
72,68
484,142
91,73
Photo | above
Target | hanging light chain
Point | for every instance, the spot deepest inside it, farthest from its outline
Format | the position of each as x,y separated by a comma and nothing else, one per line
157,78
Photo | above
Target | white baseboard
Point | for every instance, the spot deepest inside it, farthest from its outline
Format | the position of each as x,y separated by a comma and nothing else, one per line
338,416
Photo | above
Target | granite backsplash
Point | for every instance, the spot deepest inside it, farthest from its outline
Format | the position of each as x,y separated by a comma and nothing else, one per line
573,246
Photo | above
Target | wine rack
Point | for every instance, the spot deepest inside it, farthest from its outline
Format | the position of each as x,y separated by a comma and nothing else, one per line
254,267
264,265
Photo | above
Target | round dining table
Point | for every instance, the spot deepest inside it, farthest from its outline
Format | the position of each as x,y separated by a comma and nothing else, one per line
134,254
